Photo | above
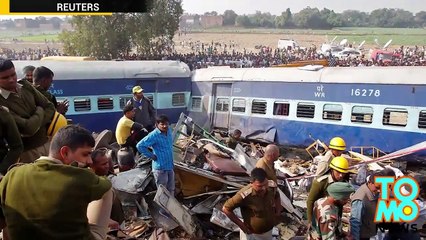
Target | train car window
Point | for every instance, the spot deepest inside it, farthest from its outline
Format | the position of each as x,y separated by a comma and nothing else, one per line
123,101
222,104
178,99
239,105
332,112
258,106
82,104
422,119
305,110
196,103
362,114
105,103
395,116
281,108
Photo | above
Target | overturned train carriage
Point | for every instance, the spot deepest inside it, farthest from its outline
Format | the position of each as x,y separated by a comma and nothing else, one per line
98,90
383,107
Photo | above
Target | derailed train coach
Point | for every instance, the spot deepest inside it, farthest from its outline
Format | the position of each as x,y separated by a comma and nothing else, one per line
383,107
98,90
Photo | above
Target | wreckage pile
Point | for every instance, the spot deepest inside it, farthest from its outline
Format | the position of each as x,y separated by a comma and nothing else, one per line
207,174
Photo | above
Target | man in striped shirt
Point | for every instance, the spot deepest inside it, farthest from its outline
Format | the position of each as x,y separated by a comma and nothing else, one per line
161,142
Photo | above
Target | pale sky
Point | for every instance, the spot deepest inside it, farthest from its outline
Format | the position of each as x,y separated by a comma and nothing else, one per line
278,6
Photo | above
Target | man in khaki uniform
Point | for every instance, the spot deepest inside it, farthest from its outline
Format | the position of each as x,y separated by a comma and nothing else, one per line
339,168
32,112
272,152
257,203
10,141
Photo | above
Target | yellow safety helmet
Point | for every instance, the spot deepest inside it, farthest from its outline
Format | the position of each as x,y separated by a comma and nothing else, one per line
340,164
58,122
337,143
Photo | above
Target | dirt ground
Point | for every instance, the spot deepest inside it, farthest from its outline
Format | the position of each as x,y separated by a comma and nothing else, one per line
247,40
241,40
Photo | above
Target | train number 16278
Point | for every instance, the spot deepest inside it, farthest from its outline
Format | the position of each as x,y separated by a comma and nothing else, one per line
362,92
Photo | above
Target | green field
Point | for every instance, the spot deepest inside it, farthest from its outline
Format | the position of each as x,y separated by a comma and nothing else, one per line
400,36
28,36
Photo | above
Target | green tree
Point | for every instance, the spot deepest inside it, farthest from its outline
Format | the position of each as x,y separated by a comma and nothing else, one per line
331,19
103,37
420,19
107,37
229,17
354,18
310,18
243,21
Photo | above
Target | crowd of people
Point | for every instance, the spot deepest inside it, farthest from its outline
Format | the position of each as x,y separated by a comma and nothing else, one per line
29,53
200,55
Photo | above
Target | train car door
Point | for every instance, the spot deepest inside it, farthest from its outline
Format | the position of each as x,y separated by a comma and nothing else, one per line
221,108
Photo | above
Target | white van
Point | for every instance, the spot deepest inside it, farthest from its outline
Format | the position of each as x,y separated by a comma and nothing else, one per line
288,44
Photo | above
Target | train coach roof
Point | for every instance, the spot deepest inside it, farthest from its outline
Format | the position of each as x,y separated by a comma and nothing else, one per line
64,70
381,75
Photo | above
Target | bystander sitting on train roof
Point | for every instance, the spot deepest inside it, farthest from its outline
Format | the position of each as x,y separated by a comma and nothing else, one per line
31,110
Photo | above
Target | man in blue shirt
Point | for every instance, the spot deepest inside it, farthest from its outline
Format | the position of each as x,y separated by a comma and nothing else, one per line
161,141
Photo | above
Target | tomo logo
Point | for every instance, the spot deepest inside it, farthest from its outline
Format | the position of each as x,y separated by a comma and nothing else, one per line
402,206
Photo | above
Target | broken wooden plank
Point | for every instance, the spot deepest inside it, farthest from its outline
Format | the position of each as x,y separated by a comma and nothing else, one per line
400,153
207,174
372,166
180,214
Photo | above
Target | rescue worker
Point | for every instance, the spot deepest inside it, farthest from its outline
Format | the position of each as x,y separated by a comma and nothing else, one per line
30,109
339,168
62,199
144,111
256,201
42,80
326,216
28,73
233,139
272,152
10,141
363,209
336,147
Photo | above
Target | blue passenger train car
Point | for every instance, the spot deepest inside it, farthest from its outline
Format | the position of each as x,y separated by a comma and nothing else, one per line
383,107
98,90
